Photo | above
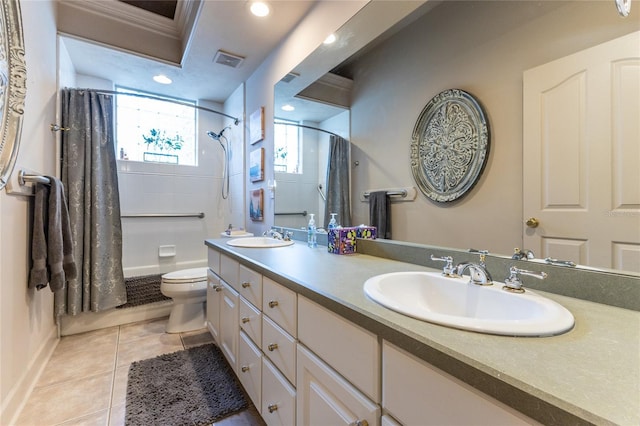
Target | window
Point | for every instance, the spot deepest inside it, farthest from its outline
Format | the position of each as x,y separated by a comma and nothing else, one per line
286,147
155,130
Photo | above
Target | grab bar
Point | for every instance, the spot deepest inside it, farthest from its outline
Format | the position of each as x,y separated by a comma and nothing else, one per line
156,215
302,213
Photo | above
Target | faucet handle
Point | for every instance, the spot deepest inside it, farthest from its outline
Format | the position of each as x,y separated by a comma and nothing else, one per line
513,282
449,269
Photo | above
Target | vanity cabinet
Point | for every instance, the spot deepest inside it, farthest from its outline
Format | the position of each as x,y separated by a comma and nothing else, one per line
415,392
303,364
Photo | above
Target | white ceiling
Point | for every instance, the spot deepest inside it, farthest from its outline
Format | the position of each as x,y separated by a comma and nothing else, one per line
220,25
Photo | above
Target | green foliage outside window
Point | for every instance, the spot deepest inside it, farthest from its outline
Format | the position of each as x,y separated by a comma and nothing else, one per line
159,140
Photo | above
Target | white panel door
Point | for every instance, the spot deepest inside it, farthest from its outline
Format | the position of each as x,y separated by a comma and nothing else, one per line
581,156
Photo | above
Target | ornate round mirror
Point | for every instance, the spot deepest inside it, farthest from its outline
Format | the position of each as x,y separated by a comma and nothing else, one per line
13,76
449,145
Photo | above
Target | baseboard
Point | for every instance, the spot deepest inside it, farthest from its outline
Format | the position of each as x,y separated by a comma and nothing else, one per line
90,321
19,394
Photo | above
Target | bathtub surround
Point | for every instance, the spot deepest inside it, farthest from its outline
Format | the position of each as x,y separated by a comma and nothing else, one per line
89,174
193,386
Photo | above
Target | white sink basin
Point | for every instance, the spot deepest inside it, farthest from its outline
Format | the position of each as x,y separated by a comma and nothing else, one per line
454,302
258,242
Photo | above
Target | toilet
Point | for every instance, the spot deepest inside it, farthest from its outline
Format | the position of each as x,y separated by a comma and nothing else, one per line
188,289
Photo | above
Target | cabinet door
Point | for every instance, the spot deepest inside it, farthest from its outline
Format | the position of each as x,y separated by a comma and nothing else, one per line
214,296
325,398
250,368
278,397
229,330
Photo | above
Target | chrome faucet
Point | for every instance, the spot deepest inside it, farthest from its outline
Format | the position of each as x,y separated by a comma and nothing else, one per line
513,282
478,273
448,270
273,233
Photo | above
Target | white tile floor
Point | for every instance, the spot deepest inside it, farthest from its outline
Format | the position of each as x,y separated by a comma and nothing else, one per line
85,380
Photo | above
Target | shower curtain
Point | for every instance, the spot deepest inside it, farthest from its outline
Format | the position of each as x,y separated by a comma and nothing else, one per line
338,198
90,177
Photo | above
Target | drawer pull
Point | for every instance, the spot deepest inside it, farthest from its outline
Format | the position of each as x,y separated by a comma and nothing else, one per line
217,287
359,423
245,368
246,284
272,407
273,303
272,347
245,320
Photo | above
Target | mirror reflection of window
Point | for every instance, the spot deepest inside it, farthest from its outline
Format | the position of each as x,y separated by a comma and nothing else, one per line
286,147
154,130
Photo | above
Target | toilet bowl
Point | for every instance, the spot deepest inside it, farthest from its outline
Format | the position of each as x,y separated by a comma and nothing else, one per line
188,289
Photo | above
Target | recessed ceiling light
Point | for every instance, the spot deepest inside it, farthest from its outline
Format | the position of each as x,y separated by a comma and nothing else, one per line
287,107
330,39
162,79
260,8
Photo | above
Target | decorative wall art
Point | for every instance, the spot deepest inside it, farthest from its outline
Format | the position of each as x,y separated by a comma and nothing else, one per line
256,165
449,145
256,126
13,90
256,205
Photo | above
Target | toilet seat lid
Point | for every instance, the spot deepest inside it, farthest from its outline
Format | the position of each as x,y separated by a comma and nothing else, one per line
186,275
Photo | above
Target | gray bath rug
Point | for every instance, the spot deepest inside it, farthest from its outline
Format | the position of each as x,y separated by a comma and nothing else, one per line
143,290
191,387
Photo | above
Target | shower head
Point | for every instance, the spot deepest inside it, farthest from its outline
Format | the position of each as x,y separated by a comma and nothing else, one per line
217,136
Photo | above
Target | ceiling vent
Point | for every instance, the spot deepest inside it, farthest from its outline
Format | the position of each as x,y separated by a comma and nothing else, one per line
228,59
290,76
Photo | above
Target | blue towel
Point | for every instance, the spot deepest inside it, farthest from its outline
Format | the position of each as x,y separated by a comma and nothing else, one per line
380,213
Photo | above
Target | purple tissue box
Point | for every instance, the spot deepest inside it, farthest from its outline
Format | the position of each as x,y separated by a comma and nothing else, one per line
343,240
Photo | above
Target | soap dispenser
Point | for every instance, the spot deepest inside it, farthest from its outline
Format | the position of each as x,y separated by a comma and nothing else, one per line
311,232
332,223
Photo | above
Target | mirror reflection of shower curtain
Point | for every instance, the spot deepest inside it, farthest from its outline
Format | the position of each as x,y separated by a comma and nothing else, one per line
89,175
338,198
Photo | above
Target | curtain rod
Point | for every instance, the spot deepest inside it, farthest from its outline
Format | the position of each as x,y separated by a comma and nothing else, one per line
306,127
160,98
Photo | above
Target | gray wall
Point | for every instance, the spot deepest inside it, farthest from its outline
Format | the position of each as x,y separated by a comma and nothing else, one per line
483,48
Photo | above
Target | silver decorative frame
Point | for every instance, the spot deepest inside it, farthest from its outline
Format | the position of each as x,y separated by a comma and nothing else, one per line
13,77
449,145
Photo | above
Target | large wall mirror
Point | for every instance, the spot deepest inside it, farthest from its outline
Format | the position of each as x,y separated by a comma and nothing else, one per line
303,128
13,77
484,47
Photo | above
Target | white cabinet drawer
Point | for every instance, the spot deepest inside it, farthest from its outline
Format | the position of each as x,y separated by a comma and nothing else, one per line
250,286
280,347
250,368
229,270
279,304
213,260
351,350
251,321
278,397
415,392
326,398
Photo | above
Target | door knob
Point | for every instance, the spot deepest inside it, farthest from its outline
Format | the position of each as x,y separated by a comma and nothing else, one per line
532,222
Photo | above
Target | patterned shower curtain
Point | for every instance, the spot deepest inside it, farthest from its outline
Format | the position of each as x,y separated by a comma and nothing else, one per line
90,177
338,198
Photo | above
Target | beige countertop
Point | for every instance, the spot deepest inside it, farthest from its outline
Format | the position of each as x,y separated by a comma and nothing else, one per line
590,374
